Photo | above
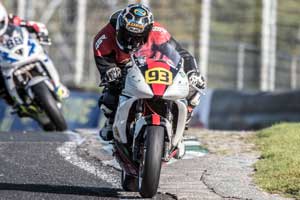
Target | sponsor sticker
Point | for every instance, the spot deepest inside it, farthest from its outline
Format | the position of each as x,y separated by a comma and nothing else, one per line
158,75
140,12
100,41
159,29
135,25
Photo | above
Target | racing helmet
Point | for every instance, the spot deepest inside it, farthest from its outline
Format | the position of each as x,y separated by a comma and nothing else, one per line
134,24
3,19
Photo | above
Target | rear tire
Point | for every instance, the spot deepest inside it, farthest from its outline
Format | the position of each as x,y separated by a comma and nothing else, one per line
46,101
150,167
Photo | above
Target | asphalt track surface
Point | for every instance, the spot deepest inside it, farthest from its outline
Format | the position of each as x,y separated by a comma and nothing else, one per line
31,167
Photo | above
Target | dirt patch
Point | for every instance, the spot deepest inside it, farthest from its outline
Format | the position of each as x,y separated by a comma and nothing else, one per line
225,142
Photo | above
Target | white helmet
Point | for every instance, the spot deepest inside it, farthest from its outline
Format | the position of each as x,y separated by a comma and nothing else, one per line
3,19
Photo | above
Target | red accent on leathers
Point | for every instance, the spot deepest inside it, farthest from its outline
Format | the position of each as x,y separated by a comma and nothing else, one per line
105,43
35,27
32,26
16,20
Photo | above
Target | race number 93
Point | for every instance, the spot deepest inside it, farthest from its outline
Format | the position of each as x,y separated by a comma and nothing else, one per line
158,76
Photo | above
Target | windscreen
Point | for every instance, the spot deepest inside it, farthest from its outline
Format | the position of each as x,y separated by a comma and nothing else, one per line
165,52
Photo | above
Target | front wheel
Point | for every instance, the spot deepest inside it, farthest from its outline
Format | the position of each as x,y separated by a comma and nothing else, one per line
150,166
46,101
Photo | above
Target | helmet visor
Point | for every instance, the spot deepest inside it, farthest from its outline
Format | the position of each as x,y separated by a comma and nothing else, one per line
130,41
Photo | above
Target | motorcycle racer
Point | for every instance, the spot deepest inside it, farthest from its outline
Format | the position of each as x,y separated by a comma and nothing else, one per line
129,30
8,23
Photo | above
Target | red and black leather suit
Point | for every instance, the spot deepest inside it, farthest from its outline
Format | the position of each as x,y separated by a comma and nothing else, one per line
109,55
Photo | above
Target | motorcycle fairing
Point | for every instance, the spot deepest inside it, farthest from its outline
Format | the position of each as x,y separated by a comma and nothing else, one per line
120,122
135,84
153,119
16,46
180,87
182,115
159,75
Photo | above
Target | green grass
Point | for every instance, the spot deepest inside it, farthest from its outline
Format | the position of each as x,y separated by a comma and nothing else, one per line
278,170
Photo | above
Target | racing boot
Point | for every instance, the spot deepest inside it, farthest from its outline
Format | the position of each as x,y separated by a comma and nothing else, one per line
62,91
108,104
180,150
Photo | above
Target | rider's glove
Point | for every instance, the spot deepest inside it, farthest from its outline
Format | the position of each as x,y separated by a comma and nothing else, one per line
44,39
41,32
113,74
43,36
197,80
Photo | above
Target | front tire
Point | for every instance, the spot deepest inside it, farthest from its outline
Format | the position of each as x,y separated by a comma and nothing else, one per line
47,102
48,127
151,165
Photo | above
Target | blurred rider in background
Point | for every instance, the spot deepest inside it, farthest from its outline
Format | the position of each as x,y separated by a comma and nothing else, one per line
8,23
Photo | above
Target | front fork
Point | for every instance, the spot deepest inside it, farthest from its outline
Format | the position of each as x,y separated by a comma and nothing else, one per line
25,80
139,134
174,128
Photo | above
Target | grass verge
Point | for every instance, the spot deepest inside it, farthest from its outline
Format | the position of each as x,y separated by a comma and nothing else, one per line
278,170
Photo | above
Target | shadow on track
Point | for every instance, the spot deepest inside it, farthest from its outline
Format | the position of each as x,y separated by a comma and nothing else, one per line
62,189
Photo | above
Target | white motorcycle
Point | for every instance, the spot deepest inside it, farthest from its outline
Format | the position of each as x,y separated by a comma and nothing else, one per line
150,119
30,79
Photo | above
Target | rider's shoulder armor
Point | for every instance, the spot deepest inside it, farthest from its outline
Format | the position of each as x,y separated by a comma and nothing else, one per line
159,35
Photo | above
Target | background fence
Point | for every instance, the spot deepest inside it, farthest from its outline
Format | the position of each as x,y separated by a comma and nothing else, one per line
249,44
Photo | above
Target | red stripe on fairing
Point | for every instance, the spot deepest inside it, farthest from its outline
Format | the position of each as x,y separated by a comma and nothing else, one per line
158,89
154,64
155,119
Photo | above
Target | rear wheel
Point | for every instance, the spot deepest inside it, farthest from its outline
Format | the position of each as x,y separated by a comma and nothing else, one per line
46,101
149,172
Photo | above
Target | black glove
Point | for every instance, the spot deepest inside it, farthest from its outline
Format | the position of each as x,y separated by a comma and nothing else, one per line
44,38
113,74
196,80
